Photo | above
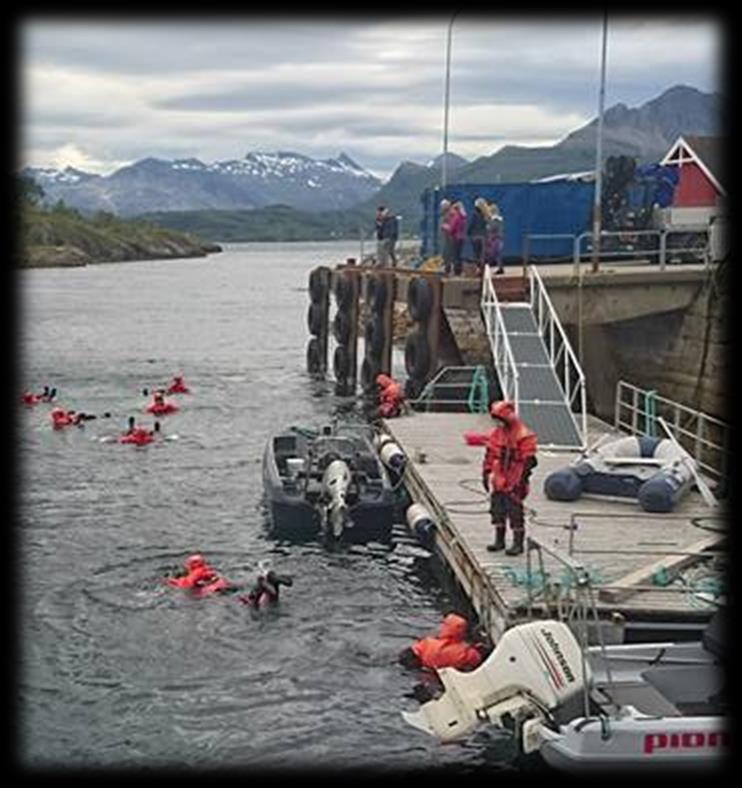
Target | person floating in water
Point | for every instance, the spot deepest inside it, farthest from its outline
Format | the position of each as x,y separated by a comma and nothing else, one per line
47,395
159,405
449,650
199,577
178,386
391,396
266,588
139,435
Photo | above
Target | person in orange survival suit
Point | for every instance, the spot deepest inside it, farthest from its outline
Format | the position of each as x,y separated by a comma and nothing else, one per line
198,574
391,396
449,650
509,460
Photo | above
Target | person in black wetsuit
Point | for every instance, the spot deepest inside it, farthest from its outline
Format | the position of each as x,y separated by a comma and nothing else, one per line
266,588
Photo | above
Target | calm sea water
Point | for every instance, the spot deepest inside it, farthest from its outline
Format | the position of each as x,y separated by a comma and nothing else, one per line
118,670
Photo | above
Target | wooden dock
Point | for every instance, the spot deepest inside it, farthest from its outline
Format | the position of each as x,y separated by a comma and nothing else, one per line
627,553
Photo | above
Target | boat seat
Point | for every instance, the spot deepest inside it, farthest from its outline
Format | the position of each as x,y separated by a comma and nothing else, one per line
693,689
644,697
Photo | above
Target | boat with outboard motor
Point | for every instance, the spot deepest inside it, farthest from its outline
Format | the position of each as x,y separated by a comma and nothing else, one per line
331,481
629,706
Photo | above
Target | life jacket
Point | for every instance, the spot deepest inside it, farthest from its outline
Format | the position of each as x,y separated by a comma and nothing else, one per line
139,436
32,399
449,649
161,408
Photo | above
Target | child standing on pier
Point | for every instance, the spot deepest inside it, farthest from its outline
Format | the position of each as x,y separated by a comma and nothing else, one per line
509,459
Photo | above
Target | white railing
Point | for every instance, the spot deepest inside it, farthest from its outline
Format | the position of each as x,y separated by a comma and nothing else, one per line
562,358
705,438
660,251
502,353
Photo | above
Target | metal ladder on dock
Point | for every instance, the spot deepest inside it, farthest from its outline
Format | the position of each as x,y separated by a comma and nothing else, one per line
535,364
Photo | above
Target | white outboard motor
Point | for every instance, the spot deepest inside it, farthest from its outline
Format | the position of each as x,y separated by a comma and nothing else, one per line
535,667
391,455
421,524
335,482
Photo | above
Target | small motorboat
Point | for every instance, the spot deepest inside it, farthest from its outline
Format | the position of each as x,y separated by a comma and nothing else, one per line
653,471
636,707
330,481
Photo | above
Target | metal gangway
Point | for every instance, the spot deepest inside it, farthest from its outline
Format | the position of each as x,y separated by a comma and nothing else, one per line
535,364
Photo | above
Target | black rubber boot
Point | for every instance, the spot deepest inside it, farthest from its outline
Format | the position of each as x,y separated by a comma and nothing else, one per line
499,543
516,548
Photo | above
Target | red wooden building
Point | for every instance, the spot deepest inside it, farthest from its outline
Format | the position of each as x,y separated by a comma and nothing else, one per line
699,160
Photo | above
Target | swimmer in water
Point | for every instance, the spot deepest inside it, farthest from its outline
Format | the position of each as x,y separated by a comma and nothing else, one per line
267,586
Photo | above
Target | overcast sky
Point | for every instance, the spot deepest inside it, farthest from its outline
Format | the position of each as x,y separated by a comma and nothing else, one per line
98,94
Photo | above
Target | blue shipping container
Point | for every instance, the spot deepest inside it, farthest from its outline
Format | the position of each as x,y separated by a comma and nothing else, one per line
556,207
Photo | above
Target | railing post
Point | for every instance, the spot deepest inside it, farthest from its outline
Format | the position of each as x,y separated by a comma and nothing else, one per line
663,249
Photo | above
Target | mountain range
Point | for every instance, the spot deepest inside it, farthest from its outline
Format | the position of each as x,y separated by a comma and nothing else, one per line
257,180
173,192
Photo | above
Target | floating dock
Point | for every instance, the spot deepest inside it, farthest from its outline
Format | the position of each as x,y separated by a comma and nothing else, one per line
625,552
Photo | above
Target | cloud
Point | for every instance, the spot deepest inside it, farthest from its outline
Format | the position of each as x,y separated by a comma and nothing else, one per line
121,89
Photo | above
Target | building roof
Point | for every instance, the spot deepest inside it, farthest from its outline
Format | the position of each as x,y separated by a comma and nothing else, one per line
704,151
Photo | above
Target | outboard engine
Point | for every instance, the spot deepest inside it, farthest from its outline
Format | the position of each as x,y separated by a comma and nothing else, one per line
335,482
391,455
535,669
421,524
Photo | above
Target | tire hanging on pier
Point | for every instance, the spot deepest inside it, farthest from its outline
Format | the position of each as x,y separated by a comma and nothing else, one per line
314,318
375,337
369,371
341,327
377,294
343,290
341,363
417,355
314,357
419,298
316,285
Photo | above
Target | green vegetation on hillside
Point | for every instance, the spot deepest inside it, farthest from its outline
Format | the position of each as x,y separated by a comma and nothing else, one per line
275,223
61,236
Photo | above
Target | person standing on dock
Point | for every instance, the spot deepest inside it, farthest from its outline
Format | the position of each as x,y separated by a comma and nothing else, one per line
495,238
509,460
387,230
477,231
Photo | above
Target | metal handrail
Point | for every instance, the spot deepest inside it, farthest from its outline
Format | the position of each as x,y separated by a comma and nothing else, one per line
694,441
571,364
425,398
502,353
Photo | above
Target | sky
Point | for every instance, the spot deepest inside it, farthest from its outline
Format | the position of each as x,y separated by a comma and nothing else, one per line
98,94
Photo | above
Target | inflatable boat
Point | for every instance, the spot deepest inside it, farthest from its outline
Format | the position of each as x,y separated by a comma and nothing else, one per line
656,472
327,481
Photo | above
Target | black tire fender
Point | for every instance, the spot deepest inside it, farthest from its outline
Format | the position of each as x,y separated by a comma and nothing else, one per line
314,356
377,293
369,371
419,298
341,327
317,285
343,290
417,355
315,320
341,362
375,337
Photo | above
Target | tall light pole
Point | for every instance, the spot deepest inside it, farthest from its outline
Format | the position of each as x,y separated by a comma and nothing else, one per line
444,167
599,154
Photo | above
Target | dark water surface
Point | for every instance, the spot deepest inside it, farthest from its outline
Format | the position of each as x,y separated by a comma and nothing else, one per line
117,669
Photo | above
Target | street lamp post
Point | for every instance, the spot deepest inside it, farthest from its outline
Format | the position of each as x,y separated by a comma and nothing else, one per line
597,218
444,167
